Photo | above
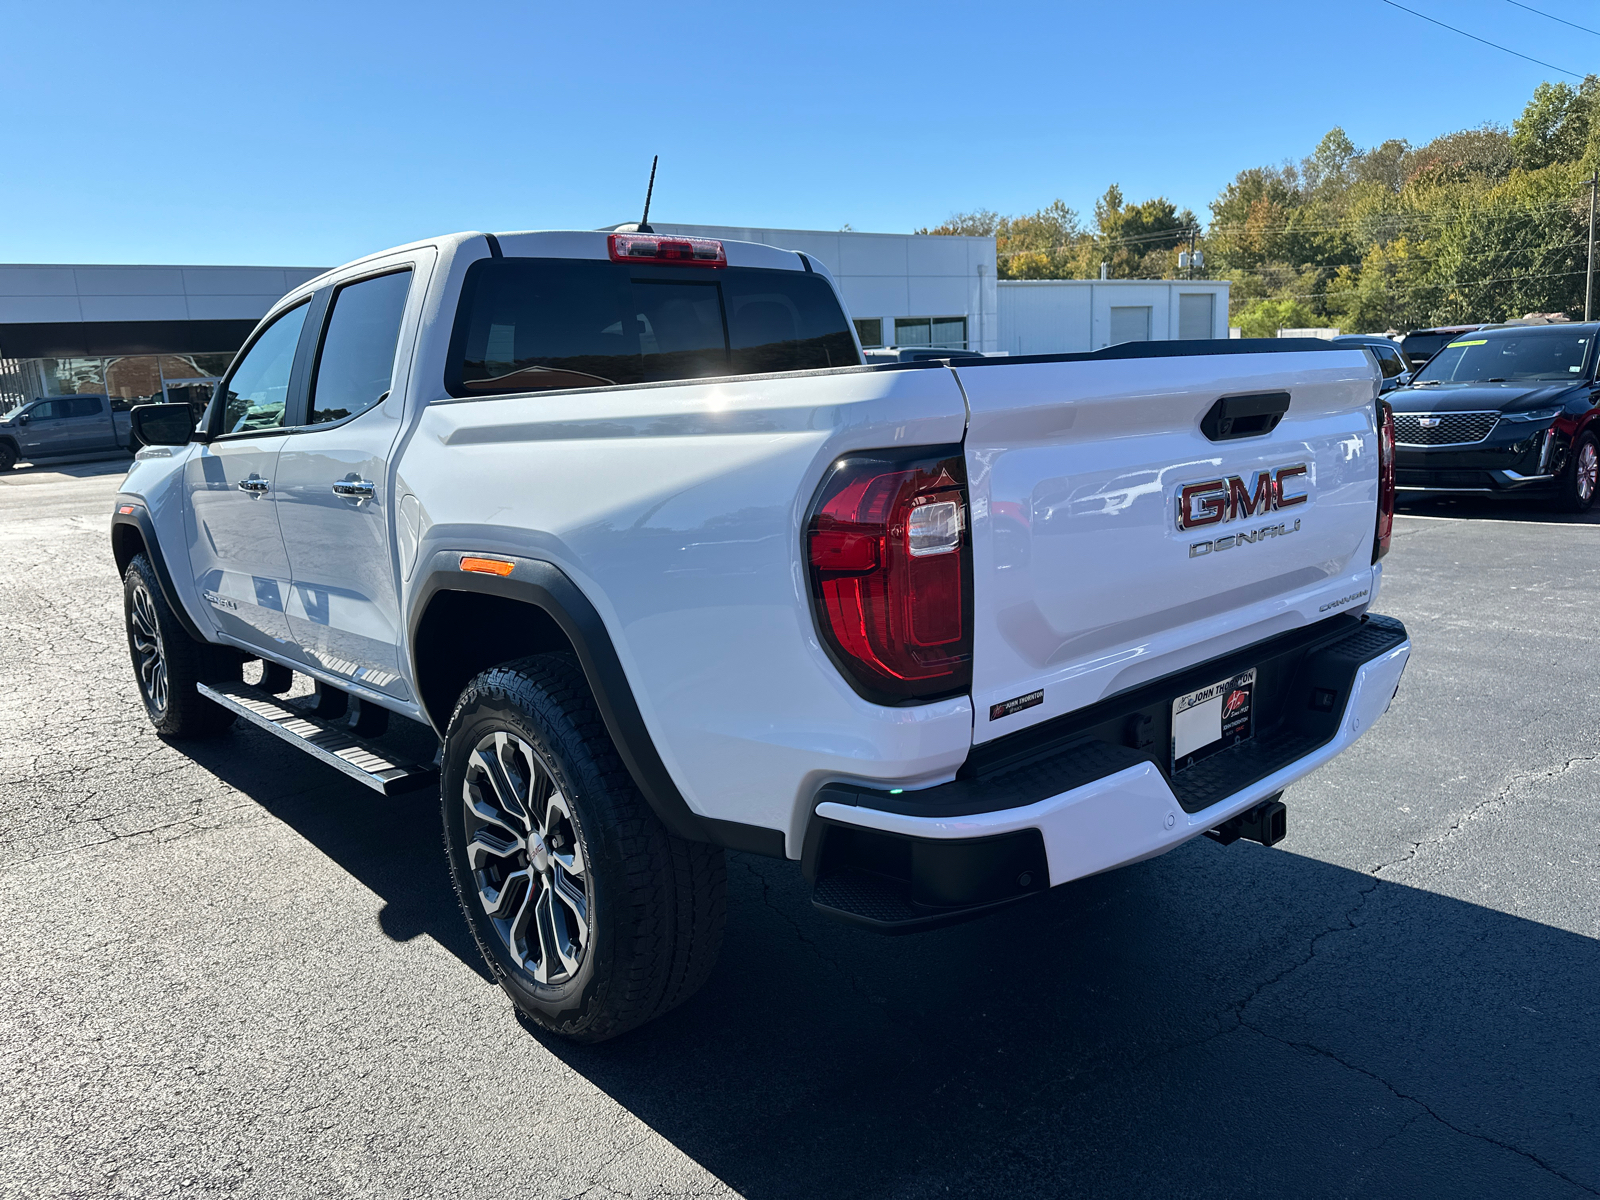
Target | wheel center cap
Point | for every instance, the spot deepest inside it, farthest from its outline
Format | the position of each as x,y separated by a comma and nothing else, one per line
538,856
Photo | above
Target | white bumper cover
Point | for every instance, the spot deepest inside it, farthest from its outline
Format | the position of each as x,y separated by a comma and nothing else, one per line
1133,814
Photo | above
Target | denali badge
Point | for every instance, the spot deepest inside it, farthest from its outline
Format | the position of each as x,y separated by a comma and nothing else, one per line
1219,500
1196,549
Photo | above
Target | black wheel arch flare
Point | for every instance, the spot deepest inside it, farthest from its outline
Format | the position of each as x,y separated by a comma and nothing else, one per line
541,585
133,531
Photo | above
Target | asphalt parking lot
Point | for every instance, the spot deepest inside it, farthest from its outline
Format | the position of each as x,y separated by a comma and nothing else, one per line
226,970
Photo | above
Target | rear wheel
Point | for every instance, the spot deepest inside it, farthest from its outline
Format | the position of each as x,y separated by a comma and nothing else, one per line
1579,480
167,662
592,916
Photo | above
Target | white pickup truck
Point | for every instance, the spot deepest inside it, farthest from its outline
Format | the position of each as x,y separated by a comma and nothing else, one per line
630,524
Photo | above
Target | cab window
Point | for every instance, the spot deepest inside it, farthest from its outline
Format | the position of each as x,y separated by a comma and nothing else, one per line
356,363
257,393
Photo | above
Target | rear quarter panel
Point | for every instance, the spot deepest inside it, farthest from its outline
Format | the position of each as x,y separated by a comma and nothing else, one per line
678,510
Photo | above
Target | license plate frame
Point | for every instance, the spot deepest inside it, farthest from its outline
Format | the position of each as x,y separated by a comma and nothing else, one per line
1213,718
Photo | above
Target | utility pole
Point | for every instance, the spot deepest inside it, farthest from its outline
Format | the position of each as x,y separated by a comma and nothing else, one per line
1588,279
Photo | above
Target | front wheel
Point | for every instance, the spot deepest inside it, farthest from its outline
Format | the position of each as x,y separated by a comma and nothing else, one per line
167,662
1577,483
590,914
8,456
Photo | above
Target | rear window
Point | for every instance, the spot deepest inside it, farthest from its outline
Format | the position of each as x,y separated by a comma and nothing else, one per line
532,324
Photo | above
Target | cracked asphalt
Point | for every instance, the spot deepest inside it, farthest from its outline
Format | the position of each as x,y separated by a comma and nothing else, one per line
227,971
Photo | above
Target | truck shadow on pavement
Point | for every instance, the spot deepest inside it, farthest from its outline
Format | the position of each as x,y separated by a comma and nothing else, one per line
1226,1022
393,846
1218,1022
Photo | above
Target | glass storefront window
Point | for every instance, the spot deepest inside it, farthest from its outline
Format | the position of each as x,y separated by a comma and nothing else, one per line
126,379
72,376
133,379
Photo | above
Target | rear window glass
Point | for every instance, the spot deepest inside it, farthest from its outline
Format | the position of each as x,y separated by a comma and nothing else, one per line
532,324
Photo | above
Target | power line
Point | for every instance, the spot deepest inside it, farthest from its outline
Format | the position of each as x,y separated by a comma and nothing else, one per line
1553,17
1485,41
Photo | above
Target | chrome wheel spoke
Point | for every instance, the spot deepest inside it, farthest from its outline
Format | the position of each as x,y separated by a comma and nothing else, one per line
558,824
498,901
488,844
491,768
569,892
516,929
555,958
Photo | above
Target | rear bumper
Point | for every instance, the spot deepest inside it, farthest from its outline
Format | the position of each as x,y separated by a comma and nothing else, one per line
895,869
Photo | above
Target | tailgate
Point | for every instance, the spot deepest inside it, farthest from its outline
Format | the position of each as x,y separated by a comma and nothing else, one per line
1084,584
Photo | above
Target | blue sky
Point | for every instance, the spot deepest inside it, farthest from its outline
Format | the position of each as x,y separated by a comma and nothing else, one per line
308,134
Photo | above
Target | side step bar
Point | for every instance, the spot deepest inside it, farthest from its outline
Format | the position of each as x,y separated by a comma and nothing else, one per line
321,739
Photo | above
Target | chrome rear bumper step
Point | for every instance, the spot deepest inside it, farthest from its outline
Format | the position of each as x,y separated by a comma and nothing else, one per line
324,740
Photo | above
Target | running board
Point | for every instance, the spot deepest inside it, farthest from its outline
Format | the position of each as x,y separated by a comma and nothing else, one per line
321,739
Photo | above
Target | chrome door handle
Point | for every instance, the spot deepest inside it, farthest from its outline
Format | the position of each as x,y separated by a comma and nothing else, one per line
354,489
253,484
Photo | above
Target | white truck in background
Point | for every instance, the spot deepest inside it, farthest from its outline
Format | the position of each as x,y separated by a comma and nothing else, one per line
668,569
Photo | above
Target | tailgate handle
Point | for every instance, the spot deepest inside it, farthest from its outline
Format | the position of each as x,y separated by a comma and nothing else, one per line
1251,415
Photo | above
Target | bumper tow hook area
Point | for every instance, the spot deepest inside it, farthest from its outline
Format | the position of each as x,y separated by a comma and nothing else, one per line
1267,823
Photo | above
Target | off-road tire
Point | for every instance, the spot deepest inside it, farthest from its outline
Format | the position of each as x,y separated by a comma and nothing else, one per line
177,710
1576,485
656,904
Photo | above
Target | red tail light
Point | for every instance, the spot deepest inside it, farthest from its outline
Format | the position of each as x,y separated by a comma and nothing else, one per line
657,248
1385,531
891,572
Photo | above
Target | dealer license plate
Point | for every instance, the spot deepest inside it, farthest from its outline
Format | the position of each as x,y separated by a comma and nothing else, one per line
1212,719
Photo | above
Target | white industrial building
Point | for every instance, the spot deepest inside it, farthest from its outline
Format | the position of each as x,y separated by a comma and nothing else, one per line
1073,316
902,289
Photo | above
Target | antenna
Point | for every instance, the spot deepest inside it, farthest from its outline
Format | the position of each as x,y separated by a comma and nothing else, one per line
644,221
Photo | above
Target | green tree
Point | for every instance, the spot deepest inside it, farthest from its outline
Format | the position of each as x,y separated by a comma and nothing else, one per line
1556,124
1264,318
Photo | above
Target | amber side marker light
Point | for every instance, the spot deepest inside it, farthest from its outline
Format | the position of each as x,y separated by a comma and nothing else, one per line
487,566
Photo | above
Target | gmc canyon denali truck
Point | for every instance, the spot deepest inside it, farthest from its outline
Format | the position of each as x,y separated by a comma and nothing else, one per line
629,523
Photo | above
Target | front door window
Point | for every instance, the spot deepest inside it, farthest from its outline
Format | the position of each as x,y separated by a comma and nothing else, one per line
257,393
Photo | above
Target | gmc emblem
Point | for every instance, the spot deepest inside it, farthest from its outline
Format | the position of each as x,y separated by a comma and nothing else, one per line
1219,500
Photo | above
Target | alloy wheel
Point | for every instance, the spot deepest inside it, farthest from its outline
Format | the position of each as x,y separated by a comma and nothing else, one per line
1588,470
526,862
150,652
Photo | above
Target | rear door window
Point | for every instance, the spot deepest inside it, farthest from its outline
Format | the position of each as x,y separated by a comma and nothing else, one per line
356,362
531,324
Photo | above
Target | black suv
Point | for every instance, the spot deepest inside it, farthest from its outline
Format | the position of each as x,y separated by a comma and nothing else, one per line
1501,411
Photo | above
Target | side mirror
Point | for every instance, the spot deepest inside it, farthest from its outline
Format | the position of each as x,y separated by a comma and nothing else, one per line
24,418
162,424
